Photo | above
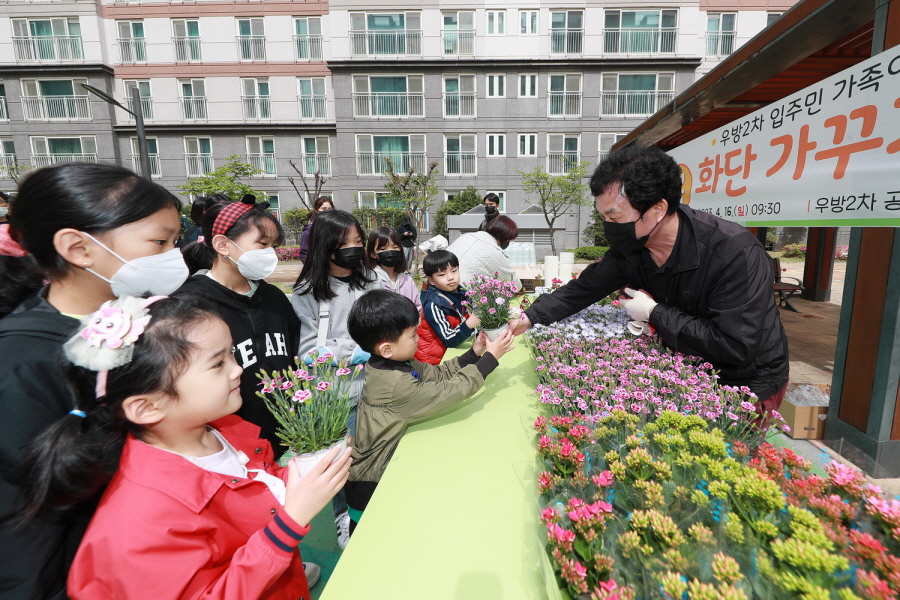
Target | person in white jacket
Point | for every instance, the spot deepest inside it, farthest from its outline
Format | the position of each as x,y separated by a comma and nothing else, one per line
481,252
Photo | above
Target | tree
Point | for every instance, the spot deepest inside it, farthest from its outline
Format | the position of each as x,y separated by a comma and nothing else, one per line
15,170
557,193
413,190
593,234
466,200
312,193
294,220
225,179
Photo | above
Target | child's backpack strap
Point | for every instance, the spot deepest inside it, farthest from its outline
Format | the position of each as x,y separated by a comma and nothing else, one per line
324,322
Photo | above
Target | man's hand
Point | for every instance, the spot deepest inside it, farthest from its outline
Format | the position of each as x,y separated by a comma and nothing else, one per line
520,325
502,345
639,306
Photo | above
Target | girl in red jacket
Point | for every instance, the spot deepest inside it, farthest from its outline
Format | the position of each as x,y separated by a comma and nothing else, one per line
197,507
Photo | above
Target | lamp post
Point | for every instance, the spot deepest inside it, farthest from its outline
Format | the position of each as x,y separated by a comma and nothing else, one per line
138,115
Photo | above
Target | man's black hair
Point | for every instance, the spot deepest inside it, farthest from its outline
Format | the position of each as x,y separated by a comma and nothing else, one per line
380,316
647,175
438,261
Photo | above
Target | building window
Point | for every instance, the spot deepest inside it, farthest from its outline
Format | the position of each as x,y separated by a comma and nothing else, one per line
459,96
562,152
772,17
528,86
55,100
496,86
46,151
255,99
404,151
388,96
565,95
496,22
274,208
4,111
502,196
397,34
152,155
640,31
7,157
316,157
198,156
132,47
496,144
527,144
636,94
607,140
186,37
47,40
720,31
143,86
308,38
528,22
459,154
251,39
458,33
193,99
312,98
261,155
566,32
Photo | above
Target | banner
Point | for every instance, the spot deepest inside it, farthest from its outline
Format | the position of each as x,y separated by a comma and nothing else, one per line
826,156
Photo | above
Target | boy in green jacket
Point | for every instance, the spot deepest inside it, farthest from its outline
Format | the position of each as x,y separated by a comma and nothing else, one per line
399,390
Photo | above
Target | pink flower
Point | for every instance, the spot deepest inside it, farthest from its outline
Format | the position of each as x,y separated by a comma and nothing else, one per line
300,373
287,385
302,395
323,385
483,299
603,479
343,372
492,310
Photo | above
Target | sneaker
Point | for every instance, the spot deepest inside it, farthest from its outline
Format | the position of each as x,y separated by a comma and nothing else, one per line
342,522
313,572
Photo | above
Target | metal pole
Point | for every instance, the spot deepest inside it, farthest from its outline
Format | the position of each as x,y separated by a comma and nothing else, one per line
139,125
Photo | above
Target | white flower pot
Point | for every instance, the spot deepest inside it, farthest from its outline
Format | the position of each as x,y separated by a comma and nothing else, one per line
493,334
305,462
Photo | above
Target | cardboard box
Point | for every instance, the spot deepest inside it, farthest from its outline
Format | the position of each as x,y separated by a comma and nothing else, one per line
804,421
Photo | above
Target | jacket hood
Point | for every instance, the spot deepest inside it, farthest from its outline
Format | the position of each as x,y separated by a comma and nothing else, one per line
200,283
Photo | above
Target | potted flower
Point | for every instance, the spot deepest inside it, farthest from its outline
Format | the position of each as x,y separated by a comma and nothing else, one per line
489,299
311,405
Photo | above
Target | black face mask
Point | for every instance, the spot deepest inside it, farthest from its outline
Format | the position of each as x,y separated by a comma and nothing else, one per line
389,258
489,209
622,237
348,258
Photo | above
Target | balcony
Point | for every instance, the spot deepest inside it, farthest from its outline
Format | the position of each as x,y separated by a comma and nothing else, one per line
719,43
193,108
559,163
459,163
264,163
45,160
308,47
155,170
48,49
146,108
565,104
257,108
316,163
636,103
57,108
628,41
4,111
388,105
458,43
251,47
401,42
187,49
7,165
132,50
198,164
459,105
567,41
312,108
373,163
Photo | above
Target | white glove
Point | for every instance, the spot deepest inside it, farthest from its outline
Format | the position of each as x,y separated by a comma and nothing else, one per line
639,306
637,328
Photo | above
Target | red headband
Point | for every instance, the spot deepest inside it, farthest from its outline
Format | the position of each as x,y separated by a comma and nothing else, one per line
228,217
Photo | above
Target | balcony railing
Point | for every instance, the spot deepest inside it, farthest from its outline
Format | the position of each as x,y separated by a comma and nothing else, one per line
459,104
251,47
133,50
566,41
312,108
257,107
264,163
459,163
4,111
633,103
7,165
57,108
458,43
380,105
198,164
45,160
187,49
51,48
146,108
373,163
719,43
155,170
565,104
193,108
640,40
559,163
401,42
308,47
316,163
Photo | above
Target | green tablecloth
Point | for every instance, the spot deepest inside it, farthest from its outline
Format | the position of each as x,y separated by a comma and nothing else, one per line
455,515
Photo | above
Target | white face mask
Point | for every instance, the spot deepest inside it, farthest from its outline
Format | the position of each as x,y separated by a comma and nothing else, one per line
256,264
3,211
158,274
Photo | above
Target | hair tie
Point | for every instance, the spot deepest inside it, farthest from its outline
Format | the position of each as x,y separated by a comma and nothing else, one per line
78,413
9,246
229,215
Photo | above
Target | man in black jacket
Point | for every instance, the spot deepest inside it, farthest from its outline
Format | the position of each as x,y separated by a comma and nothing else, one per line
704,284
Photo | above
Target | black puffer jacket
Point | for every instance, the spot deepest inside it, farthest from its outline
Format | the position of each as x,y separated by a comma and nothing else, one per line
718,305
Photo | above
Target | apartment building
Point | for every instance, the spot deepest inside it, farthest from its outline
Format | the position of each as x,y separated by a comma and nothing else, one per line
484,89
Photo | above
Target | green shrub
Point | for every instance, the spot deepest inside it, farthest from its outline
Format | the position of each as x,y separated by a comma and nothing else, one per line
591,252
388,216
593,233
793,251
467,199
